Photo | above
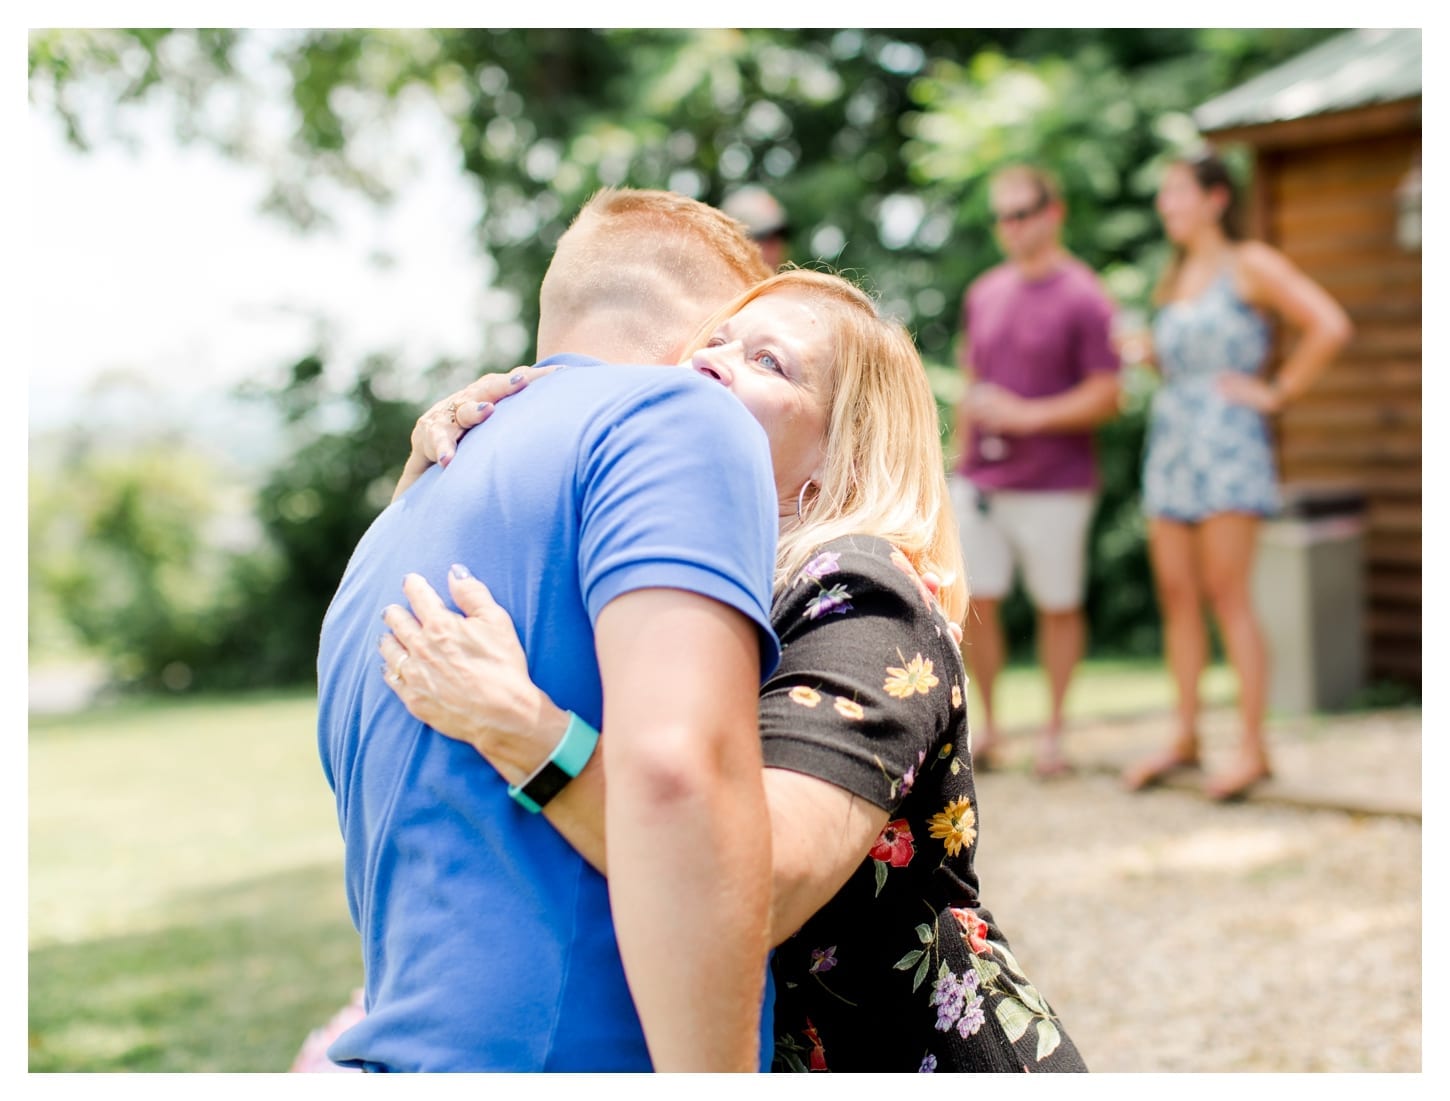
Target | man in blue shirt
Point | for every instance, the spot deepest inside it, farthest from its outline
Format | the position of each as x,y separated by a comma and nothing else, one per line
625,517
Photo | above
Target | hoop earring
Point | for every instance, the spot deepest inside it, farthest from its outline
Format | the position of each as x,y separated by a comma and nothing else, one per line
800,500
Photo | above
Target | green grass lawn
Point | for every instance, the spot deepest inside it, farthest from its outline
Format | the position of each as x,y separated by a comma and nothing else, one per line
1099,689
186,903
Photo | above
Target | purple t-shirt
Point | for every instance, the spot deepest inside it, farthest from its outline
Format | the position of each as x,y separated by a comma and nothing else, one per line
1036,338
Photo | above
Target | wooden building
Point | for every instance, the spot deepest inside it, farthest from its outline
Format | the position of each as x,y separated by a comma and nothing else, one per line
1335,135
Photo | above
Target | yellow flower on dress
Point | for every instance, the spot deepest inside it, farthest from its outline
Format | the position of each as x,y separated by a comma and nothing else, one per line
806,697
956,827
956,695
916,677
848,709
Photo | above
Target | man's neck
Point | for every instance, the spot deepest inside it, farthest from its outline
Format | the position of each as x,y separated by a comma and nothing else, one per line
1040,264
601,342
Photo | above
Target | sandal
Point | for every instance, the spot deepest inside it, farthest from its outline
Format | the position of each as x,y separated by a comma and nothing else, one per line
1052,766
987,757
1154,770
1235,784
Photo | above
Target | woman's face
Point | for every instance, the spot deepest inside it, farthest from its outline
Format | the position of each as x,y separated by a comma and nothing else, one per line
1184,206
776,355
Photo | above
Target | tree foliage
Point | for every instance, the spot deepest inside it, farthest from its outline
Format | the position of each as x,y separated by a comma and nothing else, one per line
348,449
119,547
877,142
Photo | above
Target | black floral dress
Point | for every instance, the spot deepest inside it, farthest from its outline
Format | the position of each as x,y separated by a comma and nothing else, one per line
902,970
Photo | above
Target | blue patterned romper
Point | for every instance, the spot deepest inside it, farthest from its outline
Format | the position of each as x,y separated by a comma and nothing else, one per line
1206,454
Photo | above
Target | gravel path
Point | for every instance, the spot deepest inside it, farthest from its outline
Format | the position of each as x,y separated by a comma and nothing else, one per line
1172,934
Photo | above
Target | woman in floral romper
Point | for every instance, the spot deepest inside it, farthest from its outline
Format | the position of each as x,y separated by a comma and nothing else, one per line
900,968
1209,474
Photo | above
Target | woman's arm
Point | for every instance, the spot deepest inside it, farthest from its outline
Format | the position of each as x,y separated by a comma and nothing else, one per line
467,677
1271,281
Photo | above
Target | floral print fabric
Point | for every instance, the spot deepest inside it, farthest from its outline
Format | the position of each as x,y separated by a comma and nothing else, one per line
902,970
1205,453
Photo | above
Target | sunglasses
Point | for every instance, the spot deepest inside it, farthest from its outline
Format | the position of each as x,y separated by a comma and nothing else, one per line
1014,217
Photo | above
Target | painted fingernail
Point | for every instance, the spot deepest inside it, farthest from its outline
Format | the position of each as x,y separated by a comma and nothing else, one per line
444,460
459,572
514,380
485,406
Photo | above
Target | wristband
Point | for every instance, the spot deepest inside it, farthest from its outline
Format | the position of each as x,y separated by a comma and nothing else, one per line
562,765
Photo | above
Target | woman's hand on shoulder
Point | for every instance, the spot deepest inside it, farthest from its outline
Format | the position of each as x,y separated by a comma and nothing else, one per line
437,432
933,584
466,675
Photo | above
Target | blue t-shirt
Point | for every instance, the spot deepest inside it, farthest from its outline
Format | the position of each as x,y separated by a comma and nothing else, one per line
487,941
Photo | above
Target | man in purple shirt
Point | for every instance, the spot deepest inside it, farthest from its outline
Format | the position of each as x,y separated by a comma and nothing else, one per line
1043,372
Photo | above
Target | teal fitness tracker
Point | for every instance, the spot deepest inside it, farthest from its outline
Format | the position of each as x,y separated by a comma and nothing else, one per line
566,762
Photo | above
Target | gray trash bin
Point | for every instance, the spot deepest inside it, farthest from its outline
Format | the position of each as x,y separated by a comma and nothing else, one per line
1309,591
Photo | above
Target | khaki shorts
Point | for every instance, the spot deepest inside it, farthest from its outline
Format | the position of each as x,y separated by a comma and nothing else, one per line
1043,531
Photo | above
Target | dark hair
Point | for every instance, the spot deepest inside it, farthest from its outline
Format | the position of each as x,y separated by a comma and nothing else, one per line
1209,171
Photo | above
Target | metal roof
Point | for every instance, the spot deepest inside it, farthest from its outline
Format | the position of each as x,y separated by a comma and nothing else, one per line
1354,69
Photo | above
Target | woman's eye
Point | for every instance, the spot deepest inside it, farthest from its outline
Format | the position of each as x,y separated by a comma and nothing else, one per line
770,363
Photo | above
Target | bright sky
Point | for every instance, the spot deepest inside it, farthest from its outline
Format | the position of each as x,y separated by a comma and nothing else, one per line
158,262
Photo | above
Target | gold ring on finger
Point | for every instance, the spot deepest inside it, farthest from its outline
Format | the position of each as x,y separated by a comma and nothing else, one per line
453,412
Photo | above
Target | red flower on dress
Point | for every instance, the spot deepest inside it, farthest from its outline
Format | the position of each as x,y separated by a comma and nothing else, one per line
974,930
818,1052
895,845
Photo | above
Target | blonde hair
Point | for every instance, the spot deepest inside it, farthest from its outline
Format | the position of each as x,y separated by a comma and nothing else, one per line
882,473
650,262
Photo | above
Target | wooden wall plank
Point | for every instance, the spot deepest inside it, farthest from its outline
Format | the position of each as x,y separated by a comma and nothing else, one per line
1349,454
1378,339
1330,217
1316,415
1386,482
1342,179
1392,552
1385,586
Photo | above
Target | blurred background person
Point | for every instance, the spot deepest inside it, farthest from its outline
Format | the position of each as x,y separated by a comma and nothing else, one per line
764,217
1043,372
1209,472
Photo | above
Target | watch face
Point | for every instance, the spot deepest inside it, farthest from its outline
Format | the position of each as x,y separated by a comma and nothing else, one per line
546,783
574,750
